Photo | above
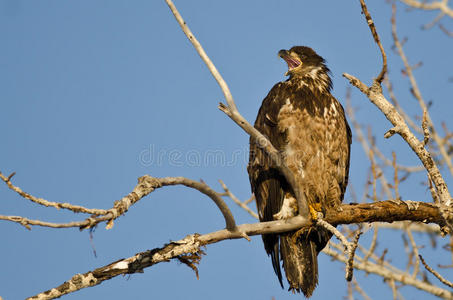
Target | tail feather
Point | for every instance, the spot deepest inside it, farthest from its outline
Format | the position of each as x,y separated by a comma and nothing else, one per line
276,263
300,263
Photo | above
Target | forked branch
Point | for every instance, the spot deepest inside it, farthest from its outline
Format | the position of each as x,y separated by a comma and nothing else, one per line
146,185
375,95
192,244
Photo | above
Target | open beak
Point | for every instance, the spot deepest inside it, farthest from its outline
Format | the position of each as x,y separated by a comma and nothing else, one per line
282,53
290,60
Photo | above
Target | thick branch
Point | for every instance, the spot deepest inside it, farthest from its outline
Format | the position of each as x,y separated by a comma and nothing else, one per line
385,211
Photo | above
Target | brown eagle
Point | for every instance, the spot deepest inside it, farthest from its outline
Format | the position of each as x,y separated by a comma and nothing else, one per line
303,121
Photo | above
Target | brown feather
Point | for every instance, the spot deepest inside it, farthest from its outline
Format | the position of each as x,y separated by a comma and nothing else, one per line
308,126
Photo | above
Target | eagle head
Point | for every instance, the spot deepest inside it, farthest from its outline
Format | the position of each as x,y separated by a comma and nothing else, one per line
306,65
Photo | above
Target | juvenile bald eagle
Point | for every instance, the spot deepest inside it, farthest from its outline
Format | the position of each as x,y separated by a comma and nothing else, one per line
303,121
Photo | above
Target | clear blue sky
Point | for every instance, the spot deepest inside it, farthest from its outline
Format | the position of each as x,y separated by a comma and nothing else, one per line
95,94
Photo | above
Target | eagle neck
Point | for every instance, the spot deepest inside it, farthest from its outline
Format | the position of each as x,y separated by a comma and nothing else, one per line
317,80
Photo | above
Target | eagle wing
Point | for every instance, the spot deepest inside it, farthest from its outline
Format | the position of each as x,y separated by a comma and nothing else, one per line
268,185
310,130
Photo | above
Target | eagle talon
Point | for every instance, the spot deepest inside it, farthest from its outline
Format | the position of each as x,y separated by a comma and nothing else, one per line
315,211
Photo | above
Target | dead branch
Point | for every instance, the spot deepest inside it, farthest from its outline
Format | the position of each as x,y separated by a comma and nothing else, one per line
372,27
374,94
350,247
435,273
146,185
351,254
192,244
434,5
243,205
41,201
360,290
385,211
231,111
418,95
374,268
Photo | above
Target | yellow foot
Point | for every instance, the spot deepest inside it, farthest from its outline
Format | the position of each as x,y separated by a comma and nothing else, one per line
315,209
315,212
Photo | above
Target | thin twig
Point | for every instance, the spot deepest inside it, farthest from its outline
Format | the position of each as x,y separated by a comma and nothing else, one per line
349,247
435,5
425,127
351,254
375,170
146,185
370,267
360,290
398,107
434,21
373,242
27,222
249,199
41,201
415,253
392,285
223,85
370,23
418,95
335,232
367,149
435,273
395,177
445,30
237,201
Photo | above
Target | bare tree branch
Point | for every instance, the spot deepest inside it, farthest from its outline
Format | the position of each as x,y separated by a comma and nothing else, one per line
237,201
350,247
370,267
418,95
351,254
41,201
146,185
231,111
435,273
370,23
374,93
192,244
360,290
434,5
